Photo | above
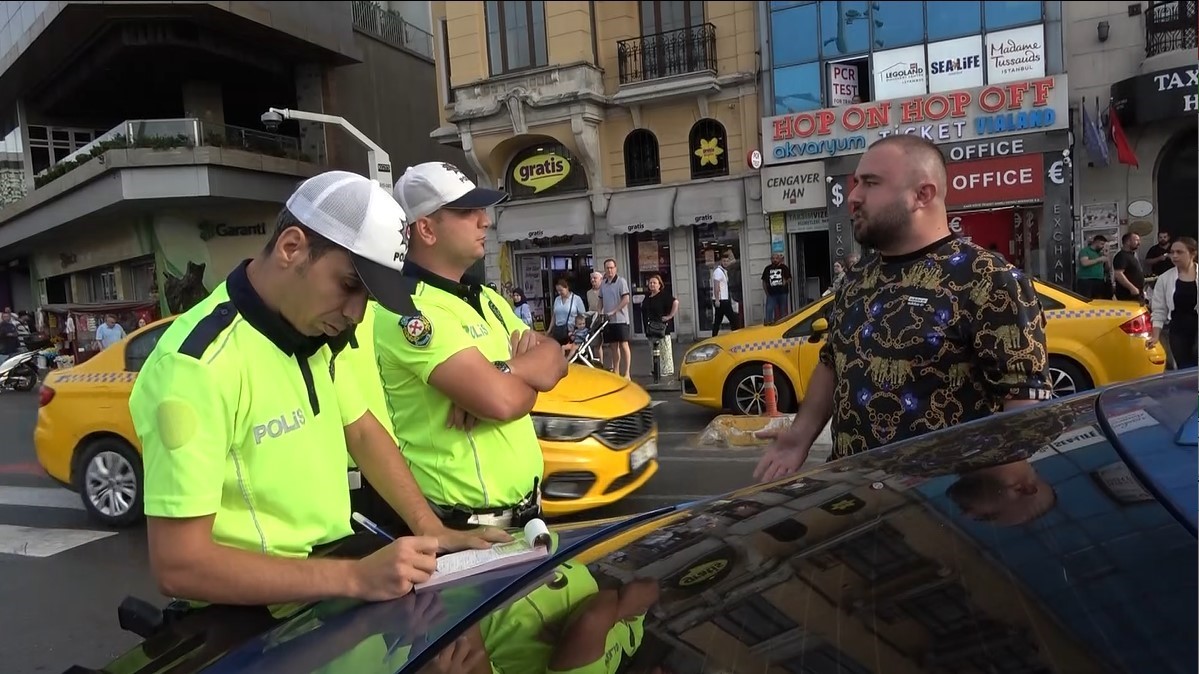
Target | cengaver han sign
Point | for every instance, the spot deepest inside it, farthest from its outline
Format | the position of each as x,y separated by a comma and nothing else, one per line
992,111
794,187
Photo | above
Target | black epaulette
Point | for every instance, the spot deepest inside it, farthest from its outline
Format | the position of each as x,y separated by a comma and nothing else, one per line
208,329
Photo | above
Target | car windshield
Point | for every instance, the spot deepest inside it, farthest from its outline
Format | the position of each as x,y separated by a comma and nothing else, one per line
1020,543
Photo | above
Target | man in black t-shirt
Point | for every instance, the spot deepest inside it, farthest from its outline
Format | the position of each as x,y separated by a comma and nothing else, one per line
10,342
1126,269
1158,257
776,283
930,331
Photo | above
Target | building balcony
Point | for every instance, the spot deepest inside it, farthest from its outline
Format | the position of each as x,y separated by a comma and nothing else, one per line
676,62
170,160
1171,27
391,28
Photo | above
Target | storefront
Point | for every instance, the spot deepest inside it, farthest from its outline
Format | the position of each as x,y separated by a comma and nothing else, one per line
546,226
1006,148
794,198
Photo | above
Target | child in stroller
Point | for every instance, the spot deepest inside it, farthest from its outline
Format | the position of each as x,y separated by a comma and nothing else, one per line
589,328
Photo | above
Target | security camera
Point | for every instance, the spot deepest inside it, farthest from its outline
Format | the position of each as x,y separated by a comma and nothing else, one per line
271,120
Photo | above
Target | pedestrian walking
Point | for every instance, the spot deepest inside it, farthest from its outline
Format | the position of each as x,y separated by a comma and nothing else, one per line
929,331
1173,308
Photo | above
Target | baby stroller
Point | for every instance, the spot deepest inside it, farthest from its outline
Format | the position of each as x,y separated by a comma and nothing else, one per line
585,354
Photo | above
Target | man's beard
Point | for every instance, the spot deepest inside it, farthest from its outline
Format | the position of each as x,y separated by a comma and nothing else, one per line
882,226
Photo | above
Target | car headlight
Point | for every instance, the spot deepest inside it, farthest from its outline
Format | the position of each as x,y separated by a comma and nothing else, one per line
702,353
550,427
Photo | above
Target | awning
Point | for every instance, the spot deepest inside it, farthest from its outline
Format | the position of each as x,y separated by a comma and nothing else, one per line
641,211
709,203
545,219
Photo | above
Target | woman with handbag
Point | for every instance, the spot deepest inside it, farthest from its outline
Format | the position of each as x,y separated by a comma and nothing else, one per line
566,306
658,310
1173,305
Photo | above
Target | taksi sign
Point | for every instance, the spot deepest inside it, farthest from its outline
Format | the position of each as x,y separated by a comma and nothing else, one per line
541,172
793,187
995,110
1161,95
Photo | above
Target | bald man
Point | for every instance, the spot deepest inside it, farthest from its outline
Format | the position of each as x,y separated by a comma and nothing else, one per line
932,331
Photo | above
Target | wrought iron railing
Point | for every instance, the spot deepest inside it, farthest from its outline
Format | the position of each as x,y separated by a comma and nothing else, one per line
1170,26
675,52
391,28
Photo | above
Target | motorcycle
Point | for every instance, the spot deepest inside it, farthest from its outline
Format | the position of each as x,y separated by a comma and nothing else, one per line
19,373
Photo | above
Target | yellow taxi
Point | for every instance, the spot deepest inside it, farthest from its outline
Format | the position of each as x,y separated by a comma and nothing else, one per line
1091,343
597,430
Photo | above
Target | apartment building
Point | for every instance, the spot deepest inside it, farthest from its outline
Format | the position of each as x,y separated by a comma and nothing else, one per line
619,130
1137,62
986,81
135,169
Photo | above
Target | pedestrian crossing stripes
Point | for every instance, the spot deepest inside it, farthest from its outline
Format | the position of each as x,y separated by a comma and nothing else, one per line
43,541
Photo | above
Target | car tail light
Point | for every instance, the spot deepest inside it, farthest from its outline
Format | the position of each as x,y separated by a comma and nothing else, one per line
44,395
1139,326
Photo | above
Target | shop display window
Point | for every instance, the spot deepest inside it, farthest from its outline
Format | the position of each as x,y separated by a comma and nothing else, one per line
712,241
649,253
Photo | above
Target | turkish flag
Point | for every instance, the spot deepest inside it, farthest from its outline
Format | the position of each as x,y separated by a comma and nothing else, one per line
1124,152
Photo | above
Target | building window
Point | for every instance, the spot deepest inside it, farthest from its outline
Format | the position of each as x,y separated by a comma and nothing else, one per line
754,620
641,165
786,24
661,17
445,61
142,284
649,254
953,19
844,28
49,145
797,88
898,24
101,284
1000,15
941,611
823,659
515,36
713,242
878,554
544,170
709,149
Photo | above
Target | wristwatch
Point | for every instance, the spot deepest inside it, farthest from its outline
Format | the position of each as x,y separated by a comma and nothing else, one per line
502,367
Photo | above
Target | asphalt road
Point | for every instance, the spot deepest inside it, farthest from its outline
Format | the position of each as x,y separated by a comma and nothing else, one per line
62,577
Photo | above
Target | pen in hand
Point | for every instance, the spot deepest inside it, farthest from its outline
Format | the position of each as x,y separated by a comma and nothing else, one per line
370,526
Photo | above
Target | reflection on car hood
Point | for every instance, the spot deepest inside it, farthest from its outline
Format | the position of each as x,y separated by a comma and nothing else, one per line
581,384
1021,542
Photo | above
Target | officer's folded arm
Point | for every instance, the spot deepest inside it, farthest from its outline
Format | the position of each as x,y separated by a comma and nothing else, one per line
478,386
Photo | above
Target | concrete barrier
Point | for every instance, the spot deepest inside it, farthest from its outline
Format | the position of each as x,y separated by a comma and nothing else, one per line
731,431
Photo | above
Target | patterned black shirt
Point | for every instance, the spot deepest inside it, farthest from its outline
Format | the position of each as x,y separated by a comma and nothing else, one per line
929,340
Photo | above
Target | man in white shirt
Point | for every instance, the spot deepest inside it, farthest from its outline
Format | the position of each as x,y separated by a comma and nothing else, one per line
722,304
110,332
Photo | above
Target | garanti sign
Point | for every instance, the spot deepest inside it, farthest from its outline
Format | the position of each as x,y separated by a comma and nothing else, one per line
1011,108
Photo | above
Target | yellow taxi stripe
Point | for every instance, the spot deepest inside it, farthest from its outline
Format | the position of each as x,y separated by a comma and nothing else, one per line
1091,313
94,377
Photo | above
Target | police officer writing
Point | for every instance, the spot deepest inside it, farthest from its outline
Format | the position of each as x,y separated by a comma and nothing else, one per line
245,423
461,372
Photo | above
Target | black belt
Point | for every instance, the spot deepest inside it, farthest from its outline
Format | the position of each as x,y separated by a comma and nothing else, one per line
464,517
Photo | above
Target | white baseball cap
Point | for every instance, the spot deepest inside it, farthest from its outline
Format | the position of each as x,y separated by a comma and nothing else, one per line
357,214
434,185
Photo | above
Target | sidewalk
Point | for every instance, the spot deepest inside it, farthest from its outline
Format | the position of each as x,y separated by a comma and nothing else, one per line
642,363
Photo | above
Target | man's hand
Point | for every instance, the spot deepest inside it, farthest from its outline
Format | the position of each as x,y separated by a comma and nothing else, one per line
522,342
458,658
391,572
460,419
481,538
784,455
542,366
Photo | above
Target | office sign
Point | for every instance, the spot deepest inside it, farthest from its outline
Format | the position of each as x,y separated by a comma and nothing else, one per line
1018,179
900,72
793,187
955,64
843,84
1008,109
1016,54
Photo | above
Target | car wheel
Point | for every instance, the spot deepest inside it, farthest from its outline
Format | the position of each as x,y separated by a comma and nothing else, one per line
110,482
743,391
1067,378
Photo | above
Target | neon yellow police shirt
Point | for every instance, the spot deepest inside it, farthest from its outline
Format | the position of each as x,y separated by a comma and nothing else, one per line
495,464
227,428
359,361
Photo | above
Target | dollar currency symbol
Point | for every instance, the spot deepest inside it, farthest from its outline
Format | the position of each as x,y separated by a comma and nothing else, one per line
838,198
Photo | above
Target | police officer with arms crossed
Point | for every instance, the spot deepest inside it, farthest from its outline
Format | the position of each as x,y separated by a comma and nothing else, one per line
461,372
245,424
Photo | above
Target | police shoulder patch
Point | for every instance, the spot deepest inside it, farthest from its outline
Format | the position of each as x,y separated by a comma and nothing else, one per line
417,330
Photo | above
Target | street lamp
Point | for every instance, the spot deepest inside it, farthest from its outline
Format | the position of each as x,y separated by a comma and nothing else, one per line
378,161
